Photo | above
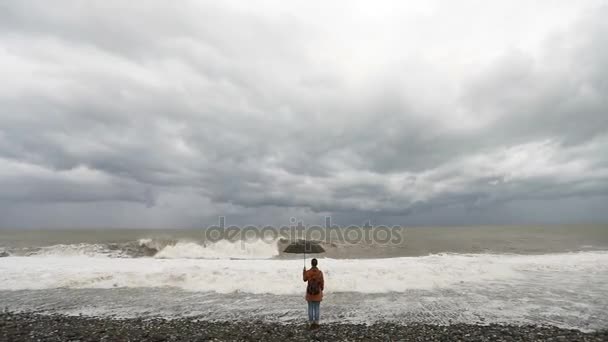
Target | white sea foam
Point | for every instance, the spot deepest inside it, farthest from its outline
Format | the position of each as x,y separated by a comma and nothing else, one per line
284,276
222,249
167,249
79,249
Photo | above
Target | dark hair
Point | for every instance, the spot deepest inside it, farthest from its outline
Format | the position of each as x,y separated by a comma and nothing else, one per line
313,262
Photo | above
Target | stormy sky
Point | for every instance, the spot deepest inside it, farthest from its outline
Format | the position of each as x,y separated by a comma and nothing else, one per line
170,114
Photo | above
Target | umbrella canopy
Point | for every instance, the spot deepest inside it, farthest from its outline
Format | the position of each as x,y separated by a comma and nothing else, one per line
301,246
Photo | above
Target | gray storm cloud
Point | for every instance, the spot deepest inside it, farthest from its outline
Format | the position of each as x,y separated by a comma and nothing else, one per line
154,114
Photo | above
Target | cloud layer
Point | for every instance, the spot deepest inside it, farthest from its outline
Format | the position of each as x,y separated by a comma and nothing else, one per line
117,114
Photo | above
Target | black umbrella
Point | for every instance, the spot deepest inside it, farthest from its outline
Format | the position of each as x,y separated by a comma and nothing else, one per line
304,246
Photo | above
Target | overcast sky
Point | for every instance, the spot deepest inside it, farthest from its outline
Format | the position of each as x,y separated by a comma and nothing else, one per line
169,114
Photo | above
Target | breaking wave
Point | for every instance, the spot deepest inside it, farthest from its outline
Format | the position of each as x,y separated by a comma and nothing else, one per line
283,276
157,248
78,249
222,249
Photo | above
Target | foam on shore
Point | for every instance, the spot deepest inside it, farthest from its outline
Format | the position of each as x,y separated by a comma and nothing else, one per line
284,276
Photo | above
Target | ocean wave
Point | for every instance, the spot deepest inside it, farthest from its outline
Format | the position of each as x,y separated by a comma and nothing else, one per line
278,276
157,248
79,249
222,249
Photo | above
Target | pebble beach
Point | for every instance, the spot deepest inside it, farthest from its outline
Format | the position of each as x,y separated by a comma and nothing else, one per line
37,327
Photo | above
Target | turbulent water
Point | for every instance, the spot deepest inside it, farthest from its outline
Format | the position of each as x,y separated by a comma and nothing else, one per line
520,275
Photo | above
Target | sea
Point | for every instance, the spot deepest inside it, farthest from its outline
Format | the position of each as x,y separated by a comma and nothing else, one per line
540,275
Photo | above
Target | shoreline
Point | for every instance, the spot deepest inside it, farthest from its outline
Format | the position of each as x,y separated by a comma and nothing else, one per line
38,327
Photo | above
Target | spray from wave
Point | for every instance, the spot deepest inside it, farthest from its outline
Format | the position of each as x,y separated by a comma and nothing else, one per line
222,249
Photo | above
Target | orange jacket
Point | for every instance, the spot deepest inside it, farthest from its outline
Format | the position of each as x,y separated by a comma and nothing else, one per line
314,273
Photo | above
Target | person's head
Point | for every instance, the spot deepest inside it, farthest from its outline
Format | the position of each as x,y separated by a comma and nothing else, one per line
314,262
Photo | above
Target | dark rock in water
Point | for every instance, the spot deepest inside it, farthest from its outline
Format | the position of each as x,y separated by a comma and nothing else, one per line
133,249
4,254
147,251
302,246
